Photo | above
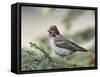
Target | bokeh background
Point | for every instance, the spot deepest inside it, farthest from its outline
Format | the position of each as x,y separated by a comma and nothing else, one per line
75,24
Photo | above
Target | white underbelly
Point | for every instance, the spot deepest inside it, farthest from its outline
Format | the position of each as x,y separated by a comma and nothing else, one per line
58,50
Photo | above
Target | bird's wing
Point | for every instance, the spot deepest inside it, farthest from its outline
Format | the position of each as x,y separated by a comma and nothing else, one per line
60,41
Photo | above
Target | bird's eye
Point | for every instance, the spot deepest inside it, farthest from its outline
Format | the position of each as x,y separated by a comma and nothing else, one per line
50,32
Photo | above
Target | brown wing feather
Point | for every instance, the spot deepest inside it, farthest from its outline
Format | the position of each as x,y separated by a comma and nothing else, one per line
60,41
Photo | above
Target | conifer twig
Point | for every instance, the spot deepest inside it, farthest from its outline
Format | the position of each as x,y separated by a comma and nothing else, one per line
37,47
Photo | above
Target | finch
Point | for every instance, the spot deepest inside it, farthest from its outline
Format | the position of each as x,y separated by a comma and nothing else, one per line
61,45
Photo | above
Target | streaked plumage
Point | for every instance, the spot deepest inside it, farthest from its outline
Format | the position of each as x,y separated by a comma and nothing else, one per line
60,44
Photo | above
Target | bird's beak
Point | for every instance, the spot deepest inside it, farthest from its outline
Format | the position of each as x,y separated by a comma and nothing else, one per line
48,30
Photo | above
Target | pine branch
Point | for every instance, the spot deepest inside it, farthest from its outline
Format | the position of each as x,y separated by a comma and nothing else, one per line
37,47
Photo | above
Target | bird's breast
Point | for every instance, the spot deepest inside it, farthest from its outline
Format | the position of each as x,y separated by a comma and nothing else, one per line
58,50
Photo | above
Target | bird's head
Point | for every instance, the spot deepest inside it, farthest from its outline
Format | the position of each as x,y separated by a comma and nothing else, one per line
53,31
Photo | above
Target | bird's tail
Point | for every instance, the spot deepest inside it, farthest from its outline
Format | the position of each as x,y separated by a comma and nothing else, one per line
85,50
90,51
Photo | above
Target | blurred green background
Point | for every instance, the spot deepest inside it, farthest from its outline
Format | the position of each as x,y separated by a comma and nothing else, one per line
75,24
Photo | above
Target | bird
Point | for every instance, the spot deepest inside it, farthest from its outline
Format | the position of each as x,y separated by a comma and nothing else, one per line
61,45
